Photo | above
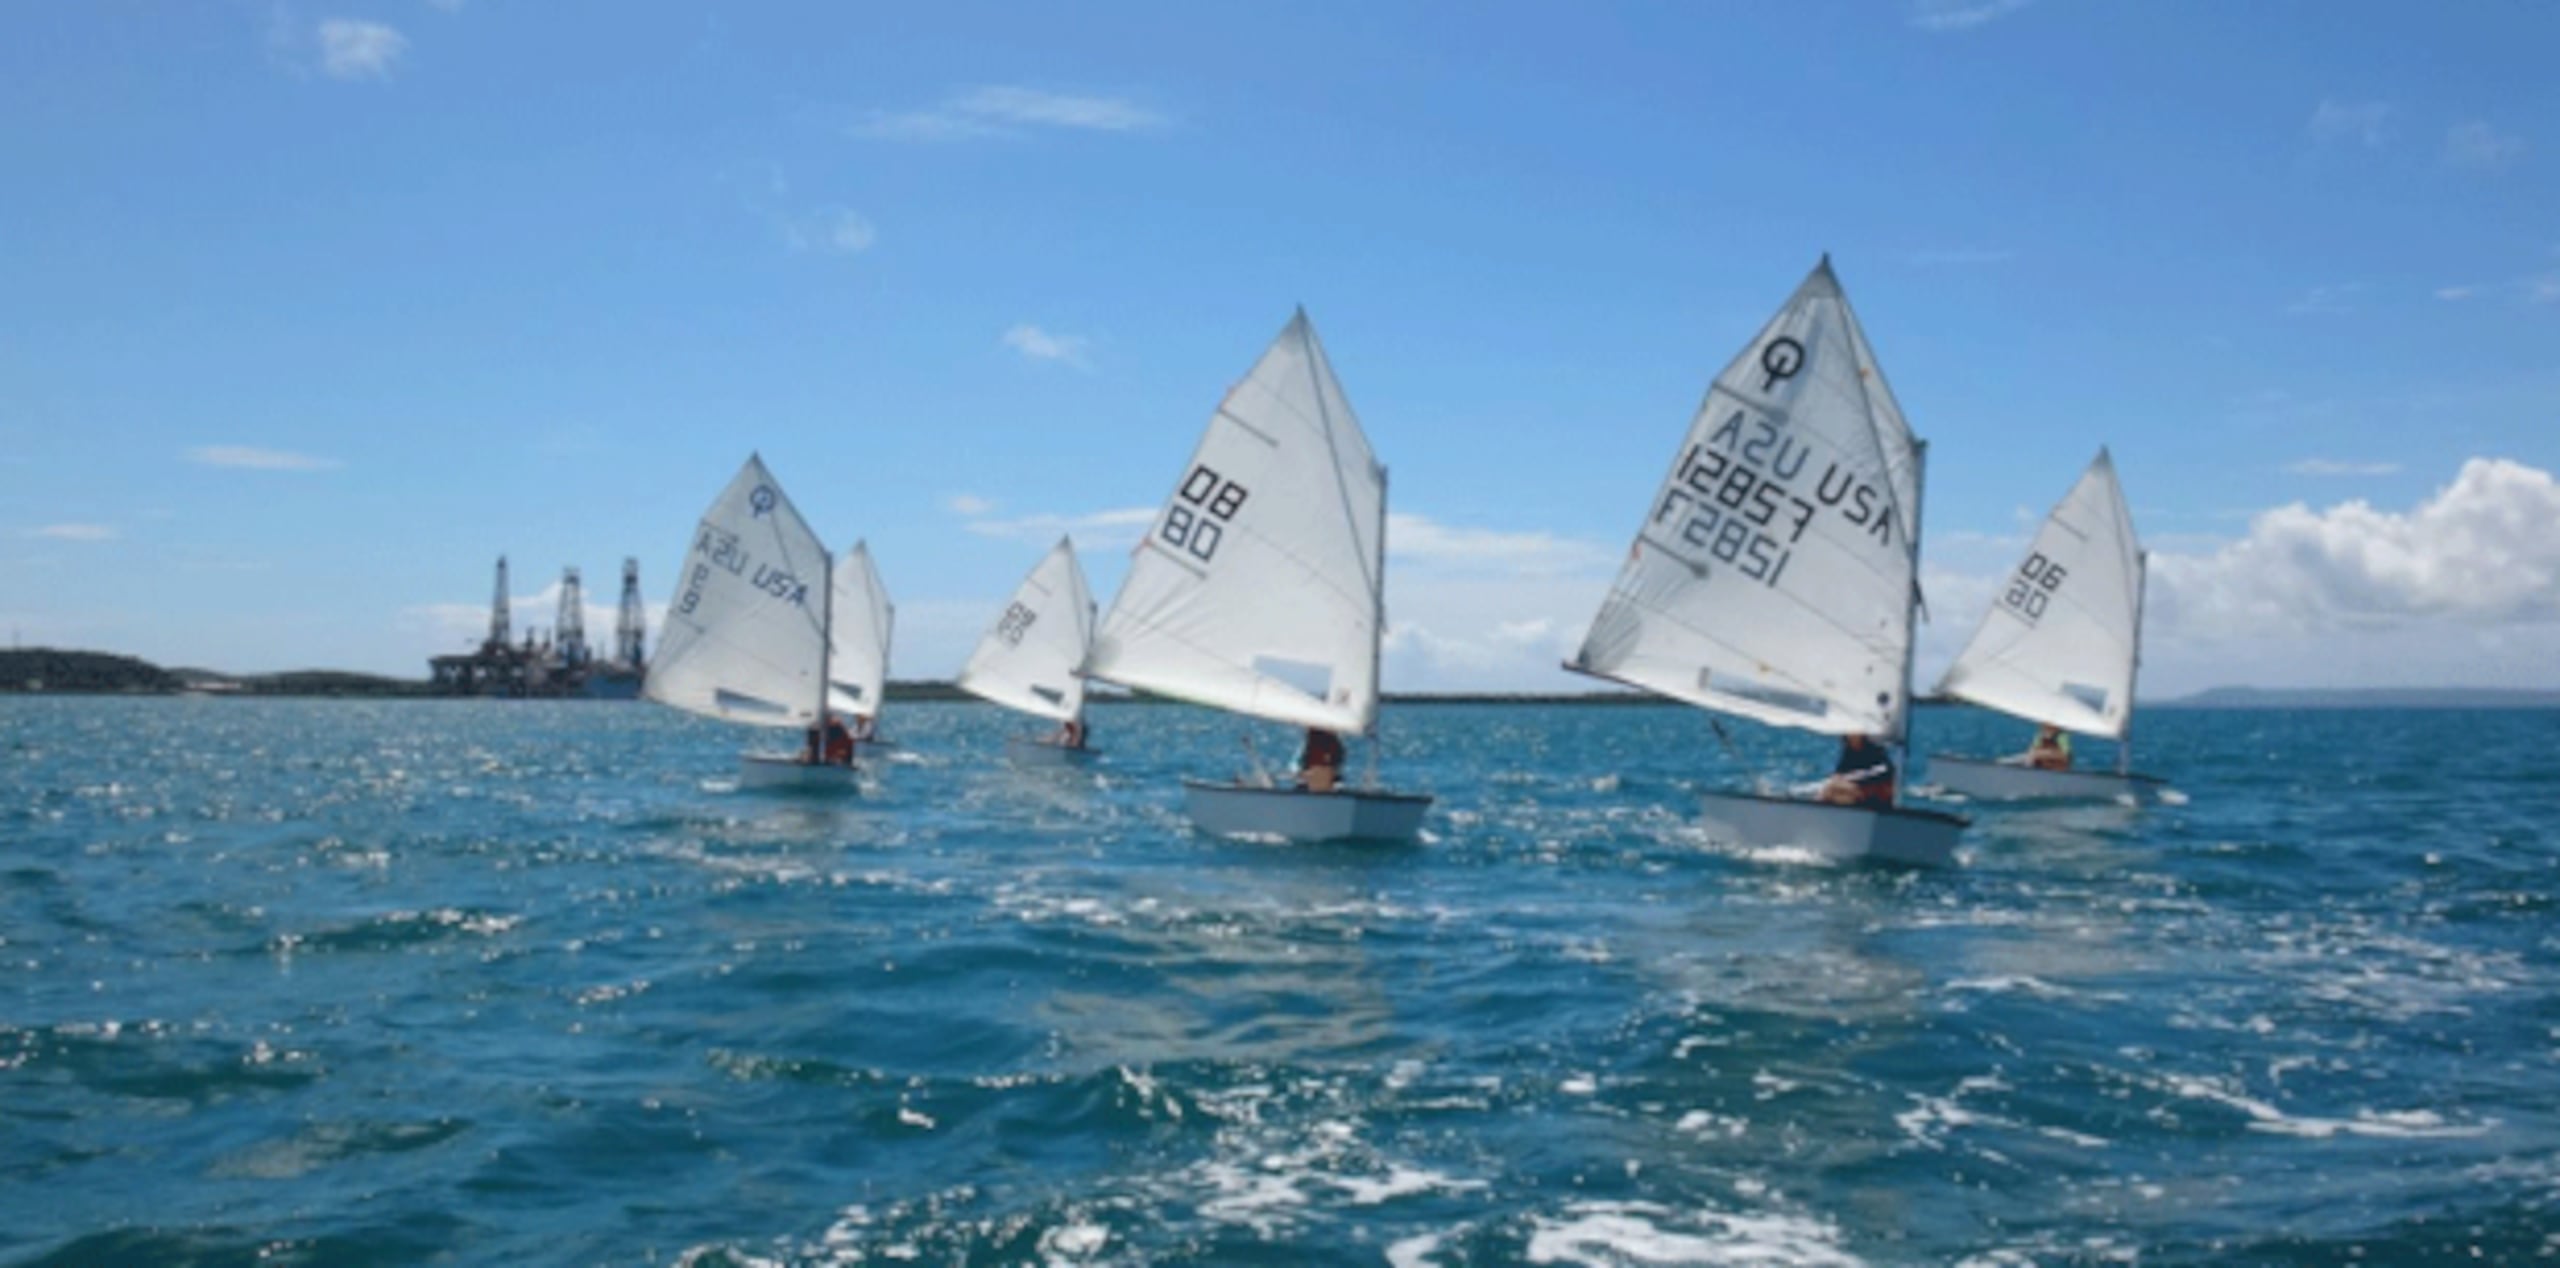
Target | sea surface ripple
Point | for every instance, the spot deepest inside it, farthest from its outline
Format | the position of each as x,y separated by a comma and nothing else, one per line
478,982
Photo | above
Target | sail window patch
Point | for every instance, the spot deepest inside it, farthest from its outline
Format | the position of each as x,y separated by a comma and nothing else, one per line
1314,679
753,706
2094,697
1762,693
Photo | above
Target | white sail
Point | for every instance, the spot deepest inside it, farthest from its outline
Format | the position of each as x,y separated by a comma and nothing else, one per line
1030,659
744,635
1257,589
2058,644
859,669
1773,575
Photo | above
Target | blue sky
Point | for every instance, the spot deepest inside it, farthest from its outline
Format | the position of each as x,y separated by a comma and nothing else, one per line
313,310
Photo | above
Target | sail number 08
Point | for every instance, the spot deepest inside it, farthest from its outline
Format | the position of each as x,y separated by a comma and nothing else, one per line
2038,580
1202,508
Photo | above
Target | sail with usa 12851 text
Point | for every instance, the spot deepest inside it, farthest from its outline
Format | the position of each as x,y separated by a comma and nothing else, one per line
714,548
1738,498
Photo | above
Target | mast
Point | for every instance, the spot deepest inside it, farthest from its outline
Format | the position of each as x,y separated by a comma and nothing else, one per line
2141,595
1911,621
826,643
1377,630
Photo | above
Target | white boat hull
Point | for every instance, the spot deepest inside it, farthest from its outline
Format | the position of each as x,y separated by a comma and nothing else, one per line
1846,834
2002,781
1039,754
1292,814
777,772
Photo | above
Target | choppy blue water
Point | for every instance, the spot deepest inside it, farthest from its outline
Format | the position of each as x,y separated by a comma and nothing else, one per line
314,982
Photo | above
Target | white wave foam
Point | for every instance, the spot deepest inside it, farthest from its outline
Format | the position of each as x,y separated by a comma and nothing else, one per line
1069,1242
1712,1125
2396,1124
1414,1252
1619,1233
2027,984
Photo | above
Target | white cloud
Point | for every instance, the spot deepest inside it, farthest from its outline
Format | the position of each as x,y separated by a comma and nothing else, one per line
2366,123
1961,15
2334,467
1005,110
1121,527
2480,145
2463,589
831,230
968,504
1418,539
460,625
2484,550
1040,345
1955,257
352,49
75,532
2326,301
252,458
1486,633
2455,294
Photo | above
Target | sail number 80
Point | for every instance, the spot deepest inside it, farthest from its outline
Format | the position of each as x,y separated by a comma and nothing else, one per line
1202,508
2037,581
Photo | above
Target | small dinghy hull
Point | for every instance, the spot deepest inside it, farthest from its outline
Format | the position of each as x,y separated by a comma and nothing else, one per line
777,772
1040,755
1843,834
2004,781
1291,814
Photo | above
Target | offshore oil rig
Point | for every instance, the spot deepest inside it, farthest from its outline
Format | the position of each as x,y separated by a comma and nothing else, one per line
555,663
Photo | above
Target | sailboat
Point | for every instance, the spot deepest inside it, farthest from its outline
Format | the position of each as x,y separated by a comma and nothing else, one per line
2061,646
859,642
747,636
1774,575
1029,660
1260,590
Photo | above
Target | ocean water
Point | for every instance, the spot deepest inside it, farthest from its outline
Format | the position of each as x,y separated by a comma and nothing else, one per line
465,982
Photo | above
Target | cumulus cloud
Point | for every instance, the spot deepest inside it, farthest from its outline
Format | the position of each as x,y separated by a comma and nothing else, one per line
2334,467
1421,540
1040,345
252,458
353,49
1007,110
2484,550
2366,123
1119,527
459,625
2481,146
2326,301
1487,633
1961,15
75,532
831,231
1962,257
968,504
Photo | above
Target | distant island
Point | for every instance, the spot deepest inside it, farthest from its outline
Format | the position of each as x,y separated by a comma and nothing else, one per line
51,671
2364,698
